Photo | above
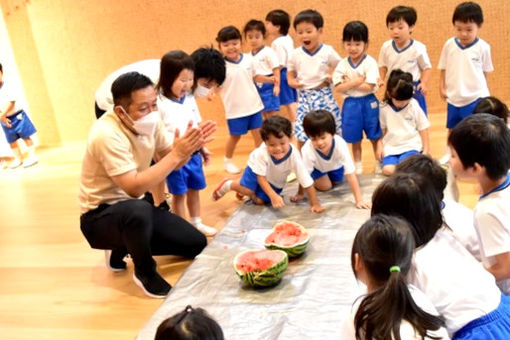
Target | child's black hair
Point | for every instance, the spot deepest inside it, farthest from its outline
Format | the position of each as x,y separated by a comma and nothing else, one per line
426,167
228,33
400,86
275,126
385,245
209,64
483,139
408,14
310,16
355,30
493,106
468,12
317,122
413,198
172,63
190,324
255,25
278,17
126,84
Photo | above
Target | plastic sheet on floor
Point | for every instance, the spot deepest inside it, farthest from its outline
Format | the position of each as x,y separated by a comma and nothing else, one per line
316,292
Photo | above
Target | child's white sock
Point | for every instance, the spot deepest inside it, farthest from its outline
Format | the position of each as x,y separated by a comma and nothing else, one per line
206,230
230,167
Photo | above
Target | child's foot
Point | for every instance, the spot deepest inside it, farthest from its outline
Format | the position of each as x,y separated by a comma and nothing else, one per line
297,198
29,161
15,163
359,168
205,229
230,167
239,196
221,189
377,169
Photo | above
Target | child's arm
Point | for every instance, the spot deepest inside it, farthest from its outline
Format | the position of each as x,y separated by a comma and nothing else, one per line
501,269
294,81
382,72
5,112
348,84
424,80
263,79
356,191
424,135
442,85
276,200
276,74
206,155
314,202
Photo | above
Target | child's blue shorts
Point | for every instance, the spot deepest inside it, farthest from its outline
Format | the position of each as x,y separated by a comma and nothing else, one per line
22,127
190,176
420,97
360,114
457,113
336,176
249,180
271,102
495,325
396,159
288,95
315,99
240,126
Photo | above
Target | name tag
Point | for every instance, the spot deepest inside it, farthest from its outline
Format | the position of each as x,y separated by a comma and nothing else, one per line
19,116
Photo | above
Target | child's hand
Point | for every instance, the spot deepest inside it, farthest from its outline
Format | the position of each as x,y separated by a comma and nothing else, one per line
211,94
362,205
7,122
442,93
380,83
276,91
317,208
358,81
422,88
329,79
206,155
296,83
277,202
297,198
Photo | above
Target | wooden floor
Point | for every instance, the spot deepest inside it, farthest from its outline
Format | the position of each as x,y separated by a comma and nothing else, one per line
54,286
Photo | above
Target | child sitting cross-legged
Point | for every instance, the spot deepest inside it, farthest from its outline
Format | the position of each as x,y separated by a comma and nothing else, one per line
268,167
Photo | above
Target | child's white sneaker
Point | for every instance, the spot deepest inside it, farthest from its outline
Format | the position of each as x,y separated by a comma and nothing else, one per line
15,163
230,167
29,161
359,168
221,189
204,229
378,169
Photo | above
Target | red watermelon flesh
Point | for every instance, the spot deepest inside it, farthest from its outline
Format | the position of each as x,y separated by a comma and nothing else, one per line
259,260
286,234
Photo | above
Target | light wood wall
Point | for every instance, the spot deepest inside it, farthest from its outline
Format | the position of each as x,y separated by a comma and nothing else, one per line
65,48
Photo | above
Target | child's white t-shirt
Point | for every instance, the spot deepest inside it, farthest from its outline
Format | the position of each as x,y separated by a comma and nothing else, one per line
413,58
176,114
366,67
7,95
238,92
407,331
338,157
460,219
313,68
402,127
264,61
455,282
149,68
492,223
283,47
276,172
464,70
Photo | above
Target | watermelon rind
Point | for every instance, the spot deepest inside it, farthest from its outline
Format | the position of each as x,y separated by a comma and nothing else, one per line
294,250
265,278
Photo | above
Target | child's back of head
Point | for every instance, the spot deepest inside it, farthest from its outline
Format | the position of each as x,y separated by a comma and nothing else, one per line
493,106
468,12
400,86
405,13
190,324
279,17
309,16
482,139
276,126
318,122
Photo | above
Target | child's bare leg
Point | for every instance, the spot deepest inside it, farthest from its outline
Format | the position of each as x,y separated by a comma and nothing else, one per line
193,202
257,139
231,145
299,196
356,151
292,111
388,170
178,205
269,114
323,183
375,146
300,144
28,141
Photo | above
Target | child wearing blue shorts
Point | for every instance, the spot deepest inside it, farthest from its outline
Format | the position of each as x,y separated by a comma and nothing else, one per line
16,124
356,77
404,124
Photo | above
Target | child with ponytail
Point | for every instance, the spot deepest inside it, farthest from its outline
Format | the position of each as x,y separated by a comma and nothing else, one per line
381,258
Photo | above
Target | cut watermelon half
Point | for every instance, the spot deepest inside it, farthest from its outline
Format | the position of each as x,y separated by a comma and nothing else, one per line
262,268
288,236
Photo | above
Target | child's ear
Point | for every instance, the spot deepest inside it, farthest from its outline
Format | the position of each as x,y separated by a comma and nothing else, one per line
359,266
411,29
320,30
478,169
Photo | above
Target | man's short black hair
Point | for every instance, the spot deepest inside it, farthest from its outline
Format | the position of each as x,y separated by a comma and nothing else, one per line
255,25
355,30
126,84
277,126
209,64
310,16
317,122
228,33
408,14
426,167
279,17
483,139
468,12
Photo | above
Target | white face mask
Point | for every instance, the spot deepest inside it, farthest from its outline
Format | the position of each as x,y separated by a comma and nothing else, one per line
201,91
146,125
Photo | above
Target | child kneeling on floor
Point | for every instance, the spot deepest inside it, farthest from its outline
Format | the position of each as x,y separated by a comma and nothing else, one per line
268,167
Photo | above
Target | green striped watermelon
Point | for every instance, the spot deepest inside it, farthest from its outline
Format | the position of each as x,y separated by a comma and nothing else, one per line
288,236
262,268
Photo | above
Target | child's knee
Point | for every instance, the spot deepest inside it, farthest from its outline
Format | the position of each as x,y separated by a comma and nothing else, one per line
388,170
